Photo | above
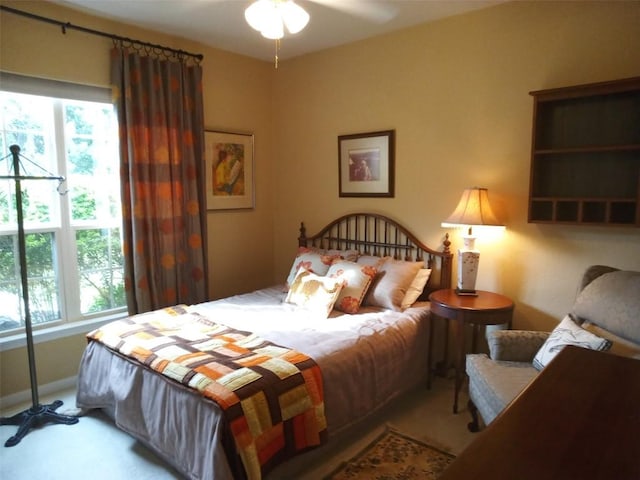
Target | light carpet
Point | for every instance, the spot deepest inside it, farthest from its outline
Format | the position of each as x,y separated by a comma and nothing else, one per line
395,456
95,448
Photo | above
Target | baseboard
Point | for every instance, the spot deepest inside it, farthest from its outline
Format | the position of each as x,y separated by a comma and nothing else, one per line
24,397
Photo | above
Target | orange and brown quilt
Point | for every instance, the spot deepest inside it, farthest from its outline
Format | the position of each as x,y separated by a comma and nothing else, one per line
271,396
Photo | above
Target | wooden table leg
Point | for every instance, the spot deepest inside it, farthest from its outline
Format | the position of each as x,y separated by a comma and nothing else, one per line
441,368
429,352
474,338
445,354
458,340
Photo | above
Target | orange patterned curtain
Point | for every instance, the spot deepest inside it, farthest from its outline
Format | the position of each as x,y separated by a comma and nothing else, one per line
160,112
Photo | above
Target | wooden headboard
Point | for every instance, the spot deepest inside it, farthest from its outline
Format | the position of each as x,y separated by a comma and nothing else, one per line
373,234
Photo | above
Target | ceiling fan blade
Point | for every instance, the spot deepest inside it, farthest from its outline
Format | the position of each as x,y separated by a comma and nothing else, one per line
375,11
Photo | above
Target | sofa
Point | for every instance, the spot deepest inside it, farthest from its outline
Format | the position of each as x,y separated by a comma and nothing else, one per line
605,316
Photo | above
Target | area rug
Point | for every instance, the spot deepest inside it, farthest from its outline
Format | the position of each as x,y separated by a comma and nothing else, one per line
394,456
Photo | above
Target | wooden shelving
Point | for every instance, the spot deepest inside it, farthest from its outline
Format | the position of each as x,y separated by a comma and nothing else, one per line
585,155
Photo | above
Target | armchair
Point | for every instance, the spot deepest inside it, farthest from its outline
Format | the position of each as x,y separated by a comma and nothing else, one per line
607,305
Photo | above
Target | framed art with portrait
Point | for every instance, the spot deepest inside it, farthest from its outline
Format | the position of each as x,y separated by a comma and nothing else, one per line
366,164
229,170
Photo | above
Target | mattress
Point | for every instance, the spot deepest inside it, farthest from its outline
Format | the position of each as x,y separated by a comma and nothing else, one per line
367,360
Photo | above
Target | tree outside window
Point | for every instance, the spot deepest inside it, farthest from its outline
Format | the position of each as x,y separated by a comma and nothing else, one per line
73,241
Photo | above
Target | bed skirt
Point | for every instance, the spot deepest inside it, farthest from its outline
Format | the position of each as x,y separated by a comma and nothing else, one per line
181,426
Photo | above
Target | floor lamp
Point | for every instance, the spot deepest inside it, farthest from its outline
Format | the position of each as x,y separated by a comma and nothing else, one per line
37,414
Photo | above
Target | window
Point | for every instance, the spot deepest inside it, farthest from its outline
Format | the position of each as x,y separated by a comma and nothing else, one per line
73,228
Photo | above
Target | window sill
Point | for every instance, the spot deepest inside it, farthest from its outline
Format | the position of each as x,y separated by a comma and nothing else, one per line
61,331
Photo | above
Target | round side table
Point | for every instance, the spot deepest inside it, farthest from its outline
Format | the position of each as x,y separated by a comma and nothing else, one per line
484,308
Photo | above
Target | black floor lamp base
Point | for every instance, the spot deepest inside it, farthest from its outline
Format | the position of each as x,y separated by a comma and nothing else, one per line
34,417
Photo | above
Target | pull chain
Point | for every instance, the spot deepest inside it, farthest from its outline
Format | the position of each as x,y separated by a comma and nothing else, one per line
276,55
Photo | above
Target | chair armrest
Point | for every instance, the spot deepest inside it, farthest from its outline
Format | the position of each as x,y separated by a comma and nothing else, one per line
515,345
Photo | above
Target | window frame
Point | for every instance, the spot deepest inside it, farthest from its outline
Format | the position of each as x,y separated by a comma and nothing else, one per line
71,321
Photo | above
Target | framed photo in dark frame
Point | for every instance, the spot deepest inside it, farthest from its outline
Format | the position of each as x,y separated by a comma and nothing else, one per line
366,163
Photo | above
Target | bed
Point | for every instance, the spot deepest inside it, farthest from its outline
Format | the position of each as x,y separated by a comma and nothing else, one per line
353,359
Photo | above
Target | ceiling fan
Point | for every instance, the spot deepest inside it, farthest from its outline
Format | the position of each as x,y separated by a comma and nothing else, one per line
270,17
374,11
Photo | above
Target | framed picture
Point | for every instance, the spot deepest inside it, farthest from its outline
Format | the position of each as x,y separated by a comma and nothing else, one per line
229,170
366,164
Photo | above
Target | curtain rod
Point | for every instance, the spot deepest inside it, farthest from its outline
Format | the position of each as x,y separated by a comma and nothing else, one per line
68,25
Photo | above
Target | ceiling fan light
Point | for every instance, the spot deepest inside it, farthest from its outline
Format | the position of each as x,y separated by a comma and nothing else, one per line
270,16
294,16
256,13
273,29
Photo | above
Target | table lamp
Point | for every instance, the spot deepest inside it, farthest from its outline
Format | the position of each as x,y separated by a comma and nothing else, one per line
473,210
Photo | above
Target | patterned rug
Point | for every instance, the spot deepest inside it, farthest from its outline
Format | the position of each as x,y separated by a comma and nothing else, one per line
394,456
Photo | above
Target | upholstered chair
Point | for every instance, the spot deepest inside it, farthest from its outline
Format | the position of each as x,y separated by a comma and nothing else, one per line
607,306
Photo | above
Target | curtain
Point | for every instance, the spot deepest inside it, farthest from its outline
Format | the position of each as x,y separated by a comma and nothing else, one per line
160,113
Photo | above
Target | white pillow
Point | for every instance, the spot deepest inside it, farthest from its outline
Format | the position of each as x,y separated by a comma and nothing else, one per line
416,288
567,332
391,283
356,279
313,292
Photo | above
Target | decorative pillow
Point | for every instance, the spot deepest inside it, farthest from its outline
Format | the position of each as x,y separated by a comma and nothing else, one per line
619,345
612,301
416,287
391,283
350,255
312,260
372,261
313,292
355,279
567,332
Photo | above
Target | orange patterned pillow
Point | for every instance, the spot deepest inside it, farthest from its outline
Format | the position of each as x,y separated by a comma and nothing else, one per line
312,260
351,255
356,280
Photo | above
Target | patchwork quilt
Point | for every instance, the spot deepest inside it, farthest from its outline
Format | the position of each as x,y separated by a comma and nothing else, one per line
271,396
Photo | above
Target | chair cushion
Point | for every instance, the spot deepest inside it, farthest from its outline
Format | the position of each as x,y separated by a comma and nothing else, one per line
619,345
494,384
612,301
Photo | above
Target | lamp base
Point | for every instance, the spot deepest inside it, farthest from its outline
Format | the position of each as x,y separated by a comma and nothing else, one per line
466,292
468,261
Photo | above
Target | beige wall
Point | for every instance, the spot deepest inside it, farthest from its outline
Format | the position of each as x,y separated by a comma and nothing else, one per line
237,97
455,91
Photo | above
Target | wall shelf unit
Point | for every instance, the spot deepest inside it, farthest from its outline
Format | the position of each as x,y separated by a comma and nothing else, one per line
585,155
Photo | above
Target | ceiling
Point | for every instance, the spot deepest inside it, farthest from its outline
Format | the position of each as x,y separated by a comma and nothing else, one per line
221,23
